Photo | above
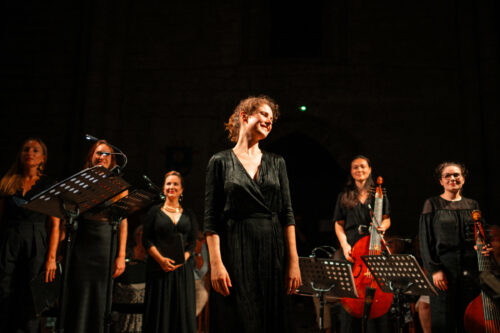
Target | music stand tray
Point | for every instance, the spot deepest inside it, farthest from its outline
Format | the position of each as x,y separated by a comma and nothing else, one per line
81,191
326,274
399,271
326,277
134,201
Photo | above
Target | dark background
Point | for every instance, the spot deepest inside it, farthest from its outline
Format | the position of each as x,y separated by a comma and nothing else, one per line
407,83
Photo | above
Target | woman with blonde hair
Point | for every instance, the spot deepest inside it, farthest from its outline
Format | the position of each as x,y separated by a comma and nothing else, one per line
25,248
170,303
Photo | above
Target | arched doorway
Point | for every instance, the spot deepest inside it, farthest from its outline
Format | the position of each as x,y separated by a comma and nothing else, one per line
315,181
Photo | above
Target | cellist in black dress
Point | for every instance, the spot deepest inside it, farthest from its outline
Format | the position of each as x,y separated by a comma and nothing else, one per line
352,214
24,252
250,228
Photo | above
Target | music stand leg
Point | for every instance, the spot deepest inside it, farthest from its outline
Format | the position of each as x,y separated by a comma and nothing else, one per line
322,304
109,295
70,227
398,312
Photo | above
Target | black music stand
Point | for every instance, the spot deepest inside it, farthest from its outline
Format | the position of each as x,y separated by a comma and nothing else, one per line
134,201
322,277
67,200
399,274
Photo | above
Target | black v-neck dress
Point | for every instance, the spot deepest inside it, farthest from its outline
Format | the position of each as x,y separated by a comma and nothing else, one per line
170,302
249,216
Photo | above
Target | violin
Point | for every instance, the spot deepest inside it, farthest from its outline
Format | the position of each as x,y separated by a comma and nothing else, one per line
482,314
368,290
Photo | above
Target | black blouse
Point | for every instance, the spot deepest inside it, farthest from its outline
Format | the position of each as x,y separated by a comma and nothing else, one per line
14,213
357,216
158,227
231,193
447,228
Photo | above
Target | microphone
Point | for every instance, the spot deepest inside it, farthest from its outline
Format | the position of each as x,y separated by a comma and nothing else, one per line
154,187
116,169
91,137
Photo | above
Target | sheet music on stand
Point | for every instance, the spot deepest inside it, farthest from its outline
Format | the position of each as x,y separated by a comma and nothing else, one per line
400,271
134,201
83,190
322,278
322,274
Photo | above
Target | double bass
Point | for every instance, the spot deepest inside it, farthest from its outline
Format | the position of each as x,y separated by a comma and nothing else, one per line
372,301
482,314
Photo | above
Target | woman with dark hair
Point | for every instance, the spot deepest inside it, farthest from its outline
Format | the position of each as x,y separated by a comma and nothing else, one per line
89,266
352,218
23,249
170,289
250,227
447,248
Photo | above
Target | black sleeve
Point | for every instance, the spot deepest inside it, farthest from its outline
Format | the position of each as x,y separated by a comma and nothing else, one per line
428,239
214,195
286,213
148,233
386,209
340,213
193,232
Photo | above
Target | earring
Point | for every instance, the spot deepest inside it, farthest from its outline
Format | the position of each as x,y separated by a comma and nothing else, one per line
181,197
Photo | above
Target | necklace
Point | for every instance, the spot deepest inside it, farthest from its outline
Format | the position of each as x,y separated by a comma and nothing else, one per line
172,209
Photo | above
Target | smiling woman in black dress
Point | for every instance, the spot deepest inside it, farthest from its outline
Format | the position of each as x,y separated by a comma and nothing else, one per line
170,289
250,228
447,248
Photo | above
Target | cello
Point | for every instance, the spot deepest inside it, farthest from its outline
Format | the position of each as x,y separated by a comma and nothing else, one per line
482,314
368,290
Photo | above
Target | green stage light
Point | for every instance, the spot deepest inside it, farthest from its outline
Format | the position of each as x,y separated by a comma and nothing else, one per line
303,108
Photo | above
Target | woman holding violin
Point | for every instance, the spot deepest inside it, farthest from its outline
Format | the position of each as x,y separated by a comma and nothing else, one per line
352,218
447,248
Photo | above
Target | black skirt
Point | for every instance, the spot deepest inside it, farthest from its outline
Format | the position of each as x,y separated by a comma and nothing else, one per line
254,257
170,301
88,277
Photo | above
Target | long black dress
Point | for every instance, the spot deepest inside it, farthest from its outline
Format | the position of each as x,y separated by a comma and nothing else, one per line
170,299
353,218
249,217
88,276
23,251
447,243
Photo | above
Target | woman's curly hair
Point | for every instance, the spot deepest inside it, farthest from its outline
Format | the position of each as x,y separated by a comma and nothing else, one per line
249,106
